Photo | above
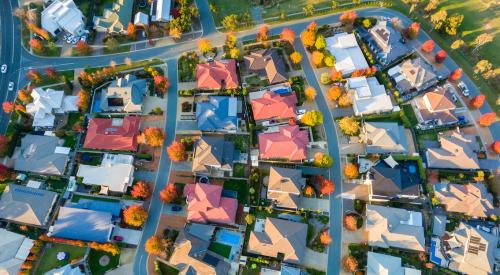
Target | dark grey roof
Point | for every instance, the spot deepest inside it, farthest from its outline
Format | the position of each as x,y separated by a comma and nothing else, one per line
37,154
388,42
390,182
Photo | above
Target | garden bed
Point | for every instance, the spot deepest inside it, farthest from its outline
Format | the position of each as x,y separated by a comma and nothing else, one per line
187,66
95,266
49,261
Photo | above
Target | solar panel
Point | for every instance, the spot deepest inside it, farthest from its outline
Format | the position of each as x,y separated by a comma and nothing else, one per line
482,247
473,250
475,240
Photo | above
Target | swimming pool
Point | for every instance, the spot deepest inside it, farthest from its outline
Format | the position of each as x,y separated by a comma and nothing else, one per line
228,237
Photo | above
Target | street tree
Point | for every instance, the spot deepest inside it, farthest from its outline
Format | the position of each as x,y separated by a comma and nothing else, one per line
135,215
344,100
322,160
324,238
348,17
428,46
455,75
477,101
141,190
312,118
176,151
288,35
169,193
334,93
308,38
295,57
317,58
204,45
488,119
349,126
310,93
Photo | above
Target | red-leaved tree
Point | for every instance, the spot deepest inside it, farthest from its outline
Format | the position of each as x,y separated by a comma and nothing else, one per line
327,187
487,119
440,56
496,147
169,193
8,106
428,46
161,84
141,190
176,151
455,75
477,101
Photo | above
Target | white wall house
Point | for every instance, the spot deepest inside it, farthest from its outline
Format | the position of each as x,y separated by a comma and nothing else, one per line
63,15
47,103
368,96
114,174
348,55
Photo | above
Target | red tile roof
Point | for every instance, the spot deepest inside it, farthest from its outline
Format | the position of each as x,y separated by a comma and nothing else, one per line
211,75
205,204
272,105
289,143
112,134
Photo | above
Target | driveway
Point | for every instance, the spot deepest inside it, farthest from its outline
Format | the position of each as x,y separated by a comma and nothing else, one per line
315,259
130,236
314,204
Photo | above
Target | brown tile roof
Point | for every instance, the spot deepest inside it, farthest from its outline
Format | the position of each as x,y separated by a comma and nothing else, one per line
267,62
212,152
284,186
456,152
471,199
438,99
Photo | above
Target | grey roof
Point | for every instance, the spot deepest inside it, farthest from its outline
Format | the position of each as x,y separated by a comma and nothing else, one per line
129,90
83,224
26,205
267,63
37,154
202,231
391,182
456,152
385,137
213,151
439,225
387,42
218,114
418,75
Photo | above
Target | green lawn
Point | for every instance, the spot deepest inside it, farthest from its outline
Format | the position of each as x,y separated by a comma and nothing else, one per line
410,114
68,74
57,185
76,198
96,268
166,269
48,260
239,170
225,7
221,249
119,49
294,6
241,186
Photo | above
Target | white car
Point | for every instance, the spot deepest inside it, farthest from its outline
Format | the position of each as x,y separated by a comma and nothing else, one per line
4,68
463,88
11,86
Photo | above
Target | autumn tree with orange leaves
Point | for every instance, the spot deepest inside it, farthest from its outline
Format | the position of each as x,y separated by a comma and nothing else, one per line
350,222
348,17
349,264
351,171
82,48
169,193
477,101
317,58
428,46
131,31
135,215
204,45
263,34
308,38
155,245
161,84
51,72
310,93
8,106
455,75
288,35
24,96
152,136
336,75
295,57
83,101
412,31
36,45
327,187
176,151
34,76
487,119
141,190
308,191
334,93
496,147
324,238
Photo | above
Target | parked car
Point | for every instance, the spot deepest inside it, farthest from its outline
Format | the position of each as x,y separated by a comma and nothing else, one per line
454,97
176,208
11,86
118,238
4,68
463,88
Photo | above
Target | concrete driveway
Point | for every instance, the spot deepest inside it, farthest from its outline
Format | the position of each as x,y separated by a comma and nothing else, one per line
314,204
315,259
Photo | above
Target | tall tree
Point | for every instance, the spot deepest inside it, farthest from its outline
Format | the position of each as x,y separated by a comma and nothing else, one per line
440,56
155,245
82,48
327,187
351,171
457,44
230,22
350,222
135,215
308,10
263,34
413,30
288,35
477,101
161,84
231,40
431,5
334,92
320,43
322,160
131,31
36,45
349,264
453,23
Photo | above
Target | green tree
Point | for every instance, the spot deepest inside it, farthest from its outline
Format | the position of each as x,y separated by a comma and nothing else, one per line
230,22
485,69
312,118
320,42
453,23
366,23
308,9
438,19
112,44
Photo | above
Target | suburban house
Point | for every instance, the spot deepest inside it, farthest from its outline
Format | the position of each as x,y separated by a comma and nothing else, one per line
26,205
384,138
470,250
49,104
436,107
213,155
277,238
216,75
41,155
82,224
388,181
219,113
273,104
368,96
267,64
63,15
389,227
286,143
116,18
413,75
207,205
15,250
348,55
67,270
123,95
191,256
162,11
383,264
457,151
284,186
386,43
113,133
119,171
141,19
472,200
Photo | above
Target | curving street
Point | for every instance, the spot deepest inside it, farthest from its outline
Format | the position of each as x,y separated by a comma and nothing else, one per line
19,60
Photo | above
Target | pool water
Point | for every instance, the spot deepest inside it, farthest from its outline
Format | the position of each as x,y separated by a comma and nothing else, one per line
229,238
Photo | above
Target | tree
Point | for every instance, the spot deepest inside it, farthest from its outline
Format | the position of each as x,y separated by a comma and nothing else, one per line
320,42
8,106
176,151
438,19
234,53
36,45
349,264
457,44
288,35
231,40
455,75
82,48
329,60
317,58
327,187
111,248
350,222
348,17
4,173
325,79
485,69
453,23
366,23
324,238
249,218
4,145
334,93
295,57
51,72
135,215
336,75
413,30
310,93
477,101
440,56
131,31
308,191
155,245
349,126
34,76
345,100
482,40
351,171
496,147
24,96
141,190
204,45
175,32
83,101
169,193
153,136
487,119
112,44
312,118
20,108
161,84
263,34
322,160
230,22
431,5
308,38
308,10
334,5
428,46
313,27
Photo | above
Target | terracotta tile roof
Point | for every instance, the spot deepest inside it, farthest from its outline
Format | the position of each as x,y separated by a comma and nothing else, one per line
274,106
205,204
438,100
284,186
113,134
267,63
471,199
289,143
216,75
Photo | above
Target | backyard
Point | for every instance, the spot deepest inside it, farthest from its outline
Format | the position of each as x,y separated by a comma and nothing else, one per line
100,262
240,186
221,249
48,260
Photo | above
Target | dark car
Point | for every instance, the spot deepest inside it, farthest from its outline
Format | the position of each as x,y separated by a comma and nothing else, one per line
176,208
118,238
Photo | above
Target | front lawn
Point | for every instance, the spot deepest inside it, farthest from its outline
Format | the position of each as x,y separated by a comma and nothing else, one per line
225,8
76,198
49,260
221,249
95,266
240,186
165,269
187,66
